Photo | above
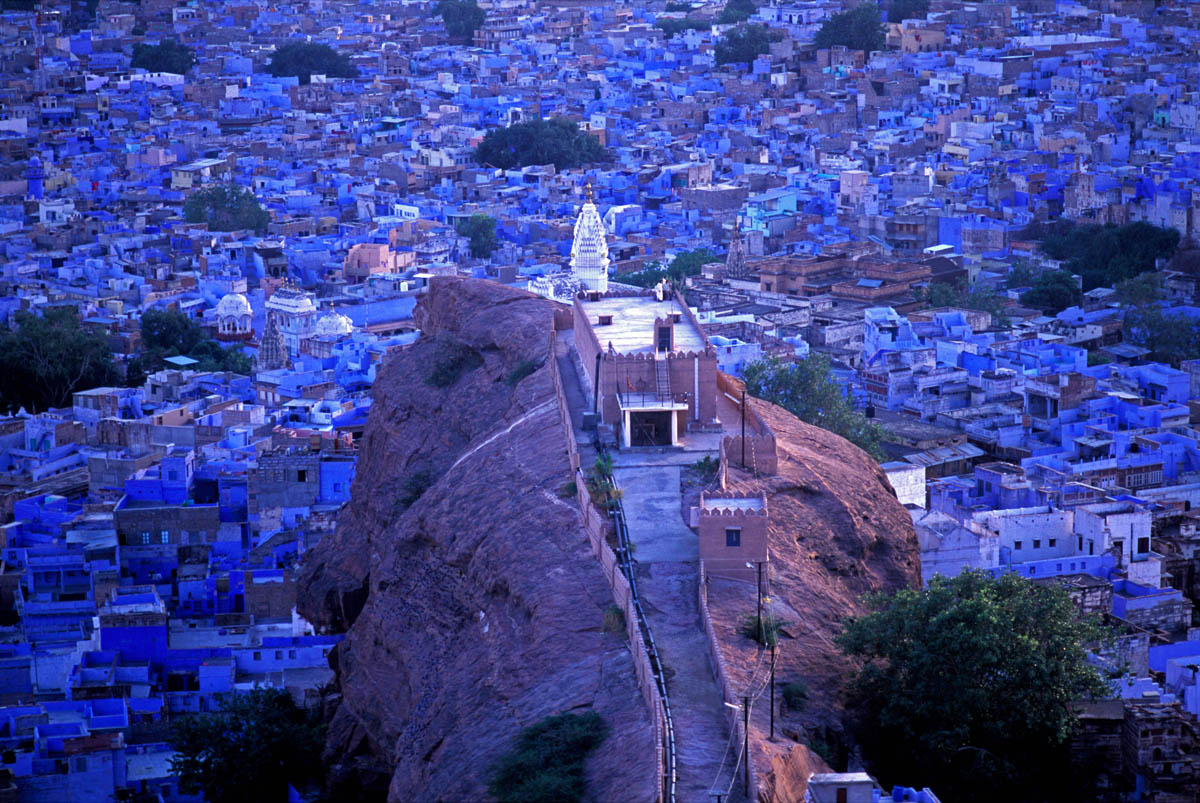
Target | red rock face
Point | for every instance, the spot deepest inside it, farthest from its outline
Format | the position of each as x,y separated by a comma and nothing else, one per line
477,609
836,532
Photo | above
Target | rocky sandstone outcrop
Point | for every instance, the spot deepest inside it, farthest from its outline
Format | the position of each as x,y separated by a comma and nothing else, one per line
472,603
836,532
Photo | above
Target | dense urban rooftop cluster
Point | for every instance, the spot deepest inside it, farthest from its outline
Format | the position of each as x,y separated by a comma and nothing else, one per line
248,241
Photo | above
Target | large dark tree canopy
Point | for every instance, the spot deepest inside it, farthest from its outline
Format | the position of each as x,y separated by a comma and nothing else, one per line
226,207
743,44
169,56
901,10
305,59
47,358
461,17
968,686
1106,255
857,29
556,141
168,334
481,231
1052,291
736,11
252,749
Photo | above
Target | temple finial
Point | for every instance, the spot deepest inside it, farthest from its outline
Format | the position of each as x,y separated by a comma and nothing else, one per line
588,190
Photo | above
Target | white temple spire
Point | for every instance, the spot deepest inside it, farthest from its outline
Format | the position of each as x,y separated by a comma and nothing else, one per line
589,250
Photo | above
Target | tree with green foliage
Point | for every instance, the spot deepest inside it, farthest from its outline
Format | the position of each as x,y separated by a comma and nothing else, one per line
461,17
167,56
673,26
972,681
901,10
556,141
806,389
736,11
212,356
170,334
49,357
1052,291
1021,274
1171,337
984,299
688,263
546,765
1144,290
258,743
135,372
226,207
743,45
1106,255
859,28
303,60
481,231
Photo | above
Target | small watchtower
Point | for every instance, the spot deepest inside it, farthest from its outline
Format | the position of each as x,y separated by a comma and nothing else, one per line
733,534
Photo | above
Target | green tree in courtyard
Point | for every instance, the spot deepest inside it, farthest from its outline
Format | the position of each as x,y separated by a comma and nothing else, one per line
461,17
1052,291
901,10
857,29
688,263
258,743
970,683
304,59
1143,290
169,334
168,56
1106,255
984,299
1171,337
481,230
736,11
556,141
743,44
1021,274
47,358
807,390
673,26
226,207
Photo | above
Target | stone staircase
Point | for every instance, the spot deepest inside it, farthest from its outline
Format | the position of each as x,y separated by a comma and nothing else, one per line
662,376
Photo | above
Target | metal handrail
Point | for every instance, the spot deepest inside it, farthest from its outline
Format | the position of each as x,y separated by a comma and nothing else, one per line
624,556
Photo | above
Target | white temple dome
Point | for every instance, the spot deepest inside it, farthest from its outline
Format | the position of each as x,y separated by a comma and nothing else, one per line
589,248
333,324
233,305
291,301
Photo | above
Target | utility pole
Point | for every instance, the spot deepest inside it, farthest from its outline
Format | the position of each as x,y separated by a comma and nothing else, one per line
746,741
743,428
772,690
762,628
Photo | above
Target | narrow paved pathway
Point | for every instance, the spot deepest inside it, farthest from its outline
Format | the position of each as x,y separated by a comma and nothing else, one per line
667,558
651,500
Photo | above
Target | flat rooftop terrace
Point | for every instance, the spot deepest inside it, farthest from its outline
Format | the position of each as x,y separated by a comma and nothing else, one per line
632,327
732,503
